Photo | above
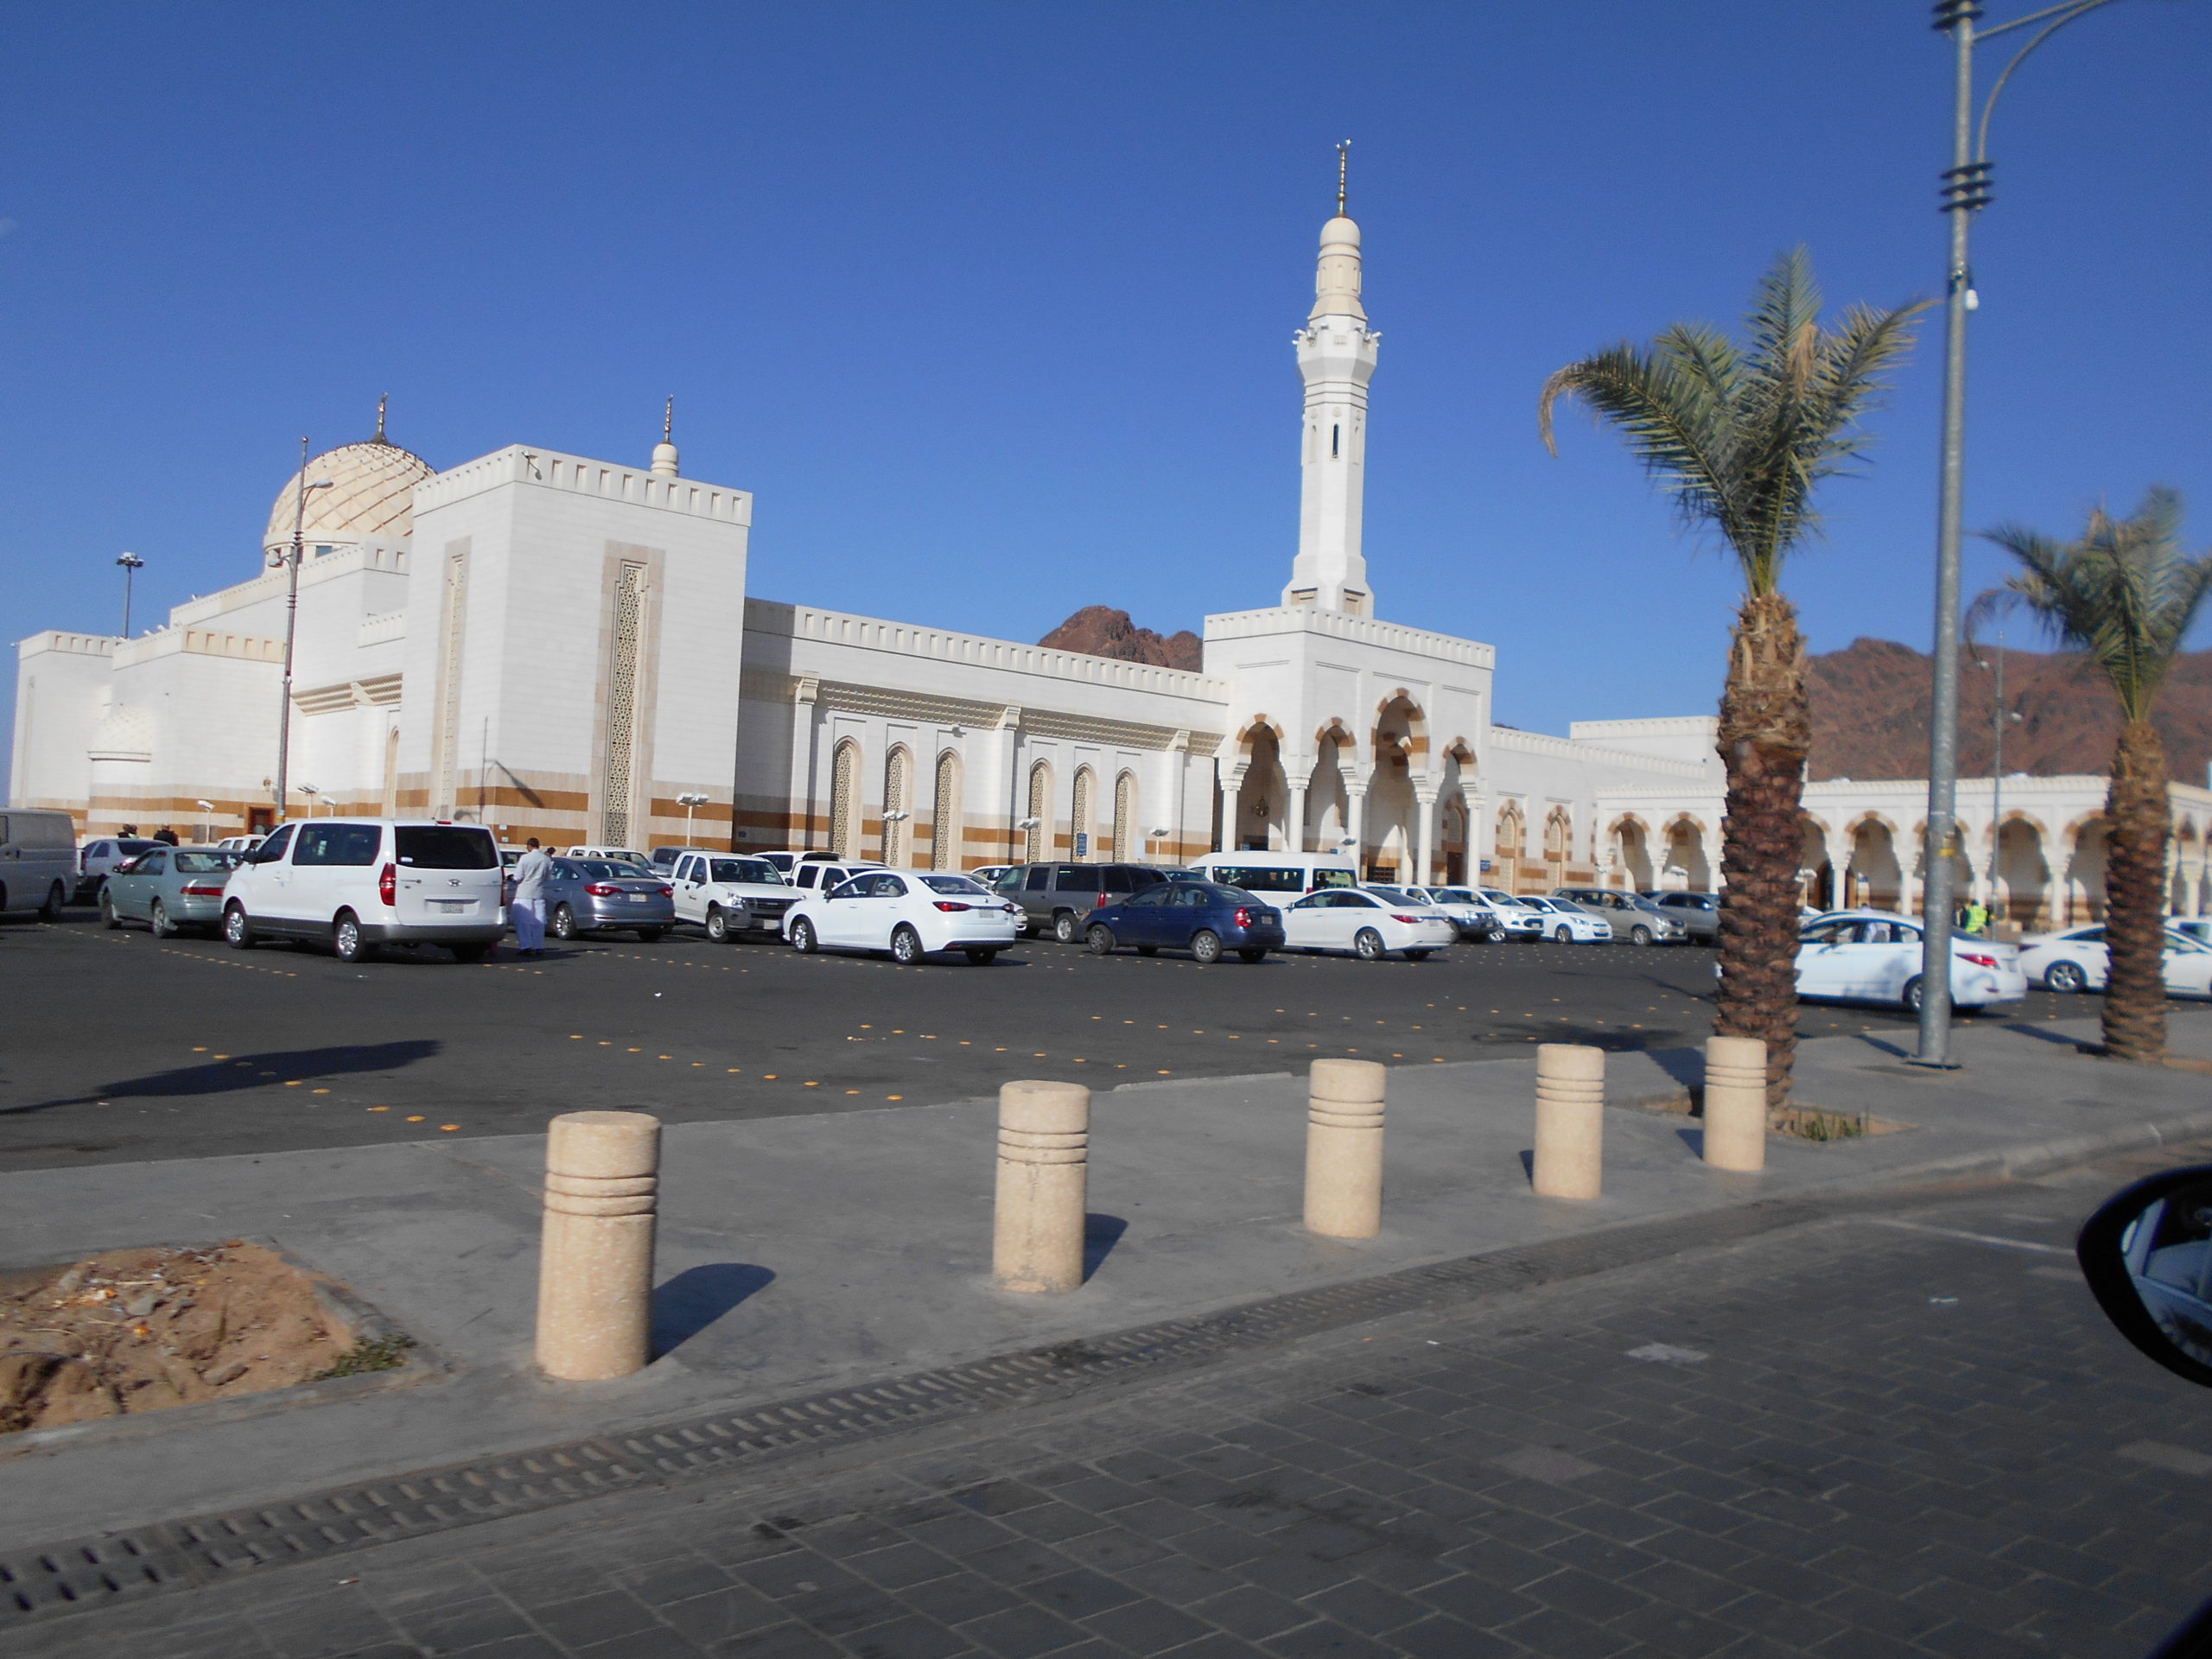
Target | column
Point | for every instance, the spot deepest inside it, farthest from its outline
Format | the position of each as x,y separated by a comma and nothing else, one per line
1295,818
1008,779
1228,783
1356,821
802,777
1839,875
1425,857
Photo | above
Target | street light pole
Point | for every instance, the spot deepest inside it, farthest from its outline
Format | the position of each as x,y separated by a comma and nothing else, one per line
131,564
1965,192
291,629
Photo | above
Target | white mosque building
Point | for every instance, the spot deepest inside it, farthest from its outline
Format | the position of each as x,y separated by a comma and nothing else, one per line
565,647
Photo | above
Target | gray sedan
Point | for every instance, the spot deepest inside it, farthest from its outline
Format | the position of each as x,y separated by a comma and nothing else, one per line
169,889
589,895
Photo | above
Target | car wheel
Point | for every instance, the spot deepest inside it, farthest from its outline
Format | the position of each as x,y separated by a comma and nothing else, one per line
1065,928
158,919
237,932
803,940
1252,954
650,934
979,957
1639,935
1911,998
108,917
468,952
346,941
1147,949
1368,943
1416,956
1205,945
1562,936
717,924
2066,978
906,945
565,922
51,909
1100,939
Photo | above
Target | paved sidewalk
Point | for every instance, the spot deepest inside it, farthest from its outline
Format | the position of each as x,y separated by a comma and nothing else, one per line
801,1254
1853,1440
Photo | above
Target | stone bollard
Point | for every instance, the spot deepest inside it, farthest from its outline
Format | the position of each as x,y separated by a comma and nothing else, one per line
1344,1148
1735,1103
1042,1188
596,1268
1570,1121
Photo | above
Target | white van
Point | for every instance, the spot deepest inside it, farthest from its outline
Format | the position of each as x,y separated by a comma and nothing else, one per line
359,883
38,861
1274,873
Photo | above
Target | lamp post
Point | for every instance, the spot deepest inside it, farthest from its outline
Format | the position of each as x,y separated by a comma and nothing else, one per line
132,565
1965,192
689,803
207,823
291,628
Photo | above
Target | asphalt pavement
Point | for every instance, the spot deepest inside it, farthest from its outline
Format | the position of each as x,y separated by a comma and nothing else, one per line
125,1048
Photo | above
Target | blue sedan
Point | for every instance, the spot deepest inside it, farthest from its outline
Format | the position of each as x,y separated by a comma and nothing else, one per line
1195,915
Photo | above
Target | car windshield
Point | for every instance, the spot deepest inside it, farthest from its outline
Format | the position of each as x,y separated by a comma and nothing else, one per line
1258,878
952,884
746,869
207,863
132,848
1453,896
595,869
445,847
1398,896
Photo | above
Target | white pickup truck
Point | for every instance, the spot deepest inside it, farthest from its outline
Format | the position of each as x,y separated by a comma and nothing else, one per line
729,894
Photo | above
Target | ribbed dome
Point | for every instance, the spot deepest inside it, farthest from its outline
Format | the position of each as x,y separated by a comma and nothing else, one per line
372,493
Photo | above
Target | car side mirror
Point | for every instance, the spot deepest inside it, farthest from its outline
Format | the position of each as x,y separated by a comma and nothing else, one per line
2147,1255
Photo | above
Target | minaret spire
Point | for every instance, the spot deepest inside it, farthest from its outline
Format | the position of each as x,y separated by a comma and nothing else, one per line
665,451
1336,360
382,398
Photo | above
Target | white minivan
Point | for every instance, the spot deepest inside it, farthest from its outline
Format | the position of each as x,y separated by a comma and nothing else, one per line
38,861
359,883
1269,874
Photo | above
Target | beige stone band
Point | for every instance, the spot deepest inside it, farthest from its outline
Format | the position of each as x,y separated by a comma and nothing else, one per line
1044,1170
1735,1103
1344,1148
596,1268
1570,1121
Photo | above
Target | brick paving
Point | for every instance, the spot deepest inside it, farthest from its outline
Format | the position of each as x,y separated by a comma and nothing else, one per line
1853,1440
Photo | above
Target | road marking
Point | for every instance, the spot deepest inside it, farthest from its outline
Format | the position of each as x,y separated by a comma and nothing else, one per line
1662,1353
2178,1458
1972,1238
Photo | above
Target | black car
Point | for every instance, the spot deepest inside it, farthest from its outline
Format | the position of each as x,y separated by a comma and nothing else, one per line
1058,899
1200,917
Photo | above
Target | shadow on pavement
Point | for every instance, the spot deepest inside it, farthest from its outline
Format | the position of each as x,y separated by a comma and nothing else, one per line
235,1072
1100,1235
696,1297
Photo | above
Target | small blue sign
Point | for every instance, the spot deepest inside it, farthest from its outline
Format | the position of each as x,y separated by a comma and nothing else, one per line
1081,844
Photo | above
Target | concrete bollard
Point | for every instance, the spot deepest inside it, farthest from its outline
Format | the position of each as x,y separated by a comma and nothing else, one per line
1570,1121
596,1268
1344,1148
1043,1186
1735,1103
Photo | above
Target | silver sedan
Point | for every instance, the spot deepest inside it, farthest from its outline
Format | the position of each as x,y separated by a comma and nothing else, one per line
590,895
169,889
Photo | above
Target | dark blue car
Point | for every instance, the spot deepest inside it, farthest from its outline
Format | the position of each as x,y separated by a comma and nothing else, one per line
1194,916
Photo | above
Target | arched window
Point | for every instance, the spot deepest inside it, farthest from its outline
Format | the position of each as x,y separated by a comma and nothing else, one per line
1037,844
1126,841
944,814
1079,832
898,770
1507,864
844,800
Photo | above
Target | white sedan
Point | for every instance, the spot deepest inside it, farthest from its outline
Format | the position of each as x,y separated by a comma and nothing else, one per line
1354,919
2078,960
911,913
1565,923
1873,955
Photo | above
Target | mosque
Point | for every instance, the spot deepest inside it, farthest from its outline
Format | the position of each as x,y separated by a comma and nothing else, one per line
565,647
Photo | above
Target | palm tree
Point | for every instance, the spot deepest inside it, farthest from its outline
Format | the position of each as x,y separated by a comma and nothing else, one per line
2125,594
1739,435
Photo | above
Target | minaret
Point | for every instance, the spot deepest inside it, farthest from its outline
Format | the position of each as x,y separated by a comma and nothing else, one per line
665,451
1336,360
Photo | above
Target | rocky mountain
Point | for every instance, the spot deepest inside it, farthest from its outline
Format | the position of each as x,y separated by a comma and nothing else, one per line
1871,703
1098,631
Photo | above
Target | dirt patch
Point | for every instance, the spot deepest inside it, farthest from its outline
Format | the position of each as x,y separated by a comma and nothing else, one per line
135,1330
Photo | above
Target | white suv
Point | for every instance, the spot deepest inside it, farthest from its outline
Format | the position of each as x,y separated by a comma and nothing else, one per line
729,893
359,883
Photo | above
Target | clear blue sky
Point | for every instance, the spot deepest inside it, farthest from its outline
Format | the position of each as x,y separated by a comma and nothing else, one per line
991,305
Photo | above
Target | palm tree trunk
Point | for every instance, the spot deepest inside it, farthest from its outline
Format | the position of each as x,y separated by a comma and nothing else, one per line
1766,734
2137,809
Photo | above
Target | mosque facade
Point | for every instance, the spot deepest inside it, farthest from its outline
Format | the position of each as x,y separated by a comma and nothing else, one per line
565,647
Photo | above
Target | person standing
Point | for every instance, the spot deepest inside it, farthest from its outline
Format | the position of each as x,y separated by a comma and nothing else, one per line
533,870
166,835
1977,917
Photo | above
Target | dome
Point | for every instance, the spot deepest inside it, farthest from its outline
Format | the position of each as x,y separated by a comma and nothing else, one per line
1339,229
372,493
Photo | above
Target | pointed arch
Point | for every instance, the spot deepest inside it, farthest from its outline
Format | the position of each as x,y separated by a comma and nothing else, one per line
1037,839
946,826
898,793
844,799
1083,837
1128,838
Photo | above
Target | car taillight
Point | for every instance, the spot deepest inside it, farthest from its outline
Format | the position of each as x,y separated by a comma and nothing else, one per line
946,905
1243,918
1978,961
205,893
602,890
665,892
388,884
1413,920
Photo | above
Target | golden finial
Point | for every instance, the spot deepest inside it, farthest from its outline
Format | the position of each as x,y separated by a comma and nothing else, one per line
382,398
1343,166
667,423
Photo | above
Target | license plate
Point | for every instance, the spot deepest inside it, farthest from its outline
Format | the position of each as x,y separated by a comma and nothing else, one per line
637,898
450,906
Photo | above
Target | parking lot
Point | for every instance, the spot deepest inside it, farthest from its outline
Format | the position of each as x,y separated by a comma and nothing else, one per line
123,1047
